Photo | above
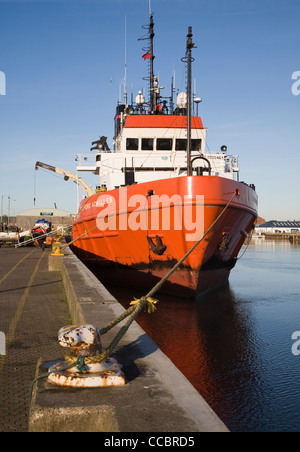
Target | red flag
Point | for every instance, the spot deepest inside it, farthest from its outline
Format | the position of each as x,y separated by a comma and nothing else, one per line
147,56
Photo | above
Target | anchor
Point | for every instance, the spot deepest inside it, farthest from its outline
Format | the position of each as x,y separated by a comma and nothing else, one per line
159,248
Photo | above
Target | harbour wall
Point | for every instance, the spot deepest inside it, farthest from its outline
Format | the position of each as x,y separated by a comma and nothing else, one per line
293,238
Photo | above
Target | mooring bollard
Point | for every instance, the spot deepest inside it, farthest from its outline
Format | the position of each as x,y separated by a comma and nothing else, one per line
56,247
56,250
83,366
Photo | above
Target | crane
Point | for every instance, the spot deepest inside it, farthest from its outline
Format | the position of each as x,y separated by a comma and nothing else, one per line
67,175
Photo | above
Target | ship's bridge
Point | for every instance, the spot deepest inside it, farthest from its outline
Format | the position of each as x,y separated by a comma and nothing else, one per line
164,133
151,147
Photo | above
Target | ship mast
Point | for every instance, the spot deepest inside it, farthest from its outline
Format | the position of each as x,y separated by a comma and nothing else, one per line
151,37
188,59
150,55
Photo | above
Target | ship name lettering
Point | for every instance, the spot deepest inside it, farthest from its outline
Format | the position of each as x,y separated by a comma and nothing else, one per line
102,202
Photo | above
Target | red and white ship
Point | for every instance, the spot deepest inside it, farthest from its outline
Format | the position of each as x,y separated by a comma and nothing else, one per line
159,191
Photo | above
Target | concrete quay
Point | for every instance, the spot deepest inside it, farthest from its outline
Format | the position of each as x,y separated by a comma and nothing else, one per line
156,398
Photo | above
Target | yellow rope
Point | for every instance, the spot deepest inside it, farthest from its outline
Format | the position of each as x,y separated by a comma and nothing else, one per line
150,306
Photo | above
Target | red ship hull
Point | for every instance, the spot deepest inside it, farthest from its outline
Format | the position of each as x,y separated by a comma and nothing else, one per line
134,235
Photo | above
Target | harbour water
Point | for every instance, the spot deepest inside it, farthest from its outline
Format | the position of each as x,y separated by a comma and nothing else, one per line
235,346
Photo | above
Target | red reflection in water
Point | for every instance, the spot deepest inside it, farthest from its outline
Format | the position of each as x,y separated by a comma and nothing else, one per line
210,343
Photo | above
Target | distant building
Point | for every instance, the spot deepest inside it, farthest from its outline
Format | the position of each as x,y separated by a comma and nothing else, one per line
28,218
278,227
260,220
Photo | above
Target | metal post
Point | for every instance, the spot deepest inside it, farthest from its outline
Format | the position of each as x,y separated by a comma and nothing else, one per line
2,210
189,46
152,34
8,211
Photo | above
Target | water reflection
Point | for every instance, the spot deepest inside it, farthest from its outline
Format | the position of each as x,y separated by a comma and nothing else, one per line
235,346
233,378
213,343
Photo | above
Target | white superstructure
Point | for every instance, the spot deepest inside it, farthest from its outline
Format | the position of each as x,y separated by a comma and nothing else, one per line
153,147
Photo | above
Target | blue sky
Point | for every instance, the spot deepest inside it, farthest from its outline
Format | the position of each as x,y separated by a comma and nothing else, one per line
64,62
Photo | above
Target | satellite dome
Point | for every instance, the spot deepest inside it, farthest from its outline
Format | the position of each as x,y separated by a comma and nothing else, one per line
140,100
182,100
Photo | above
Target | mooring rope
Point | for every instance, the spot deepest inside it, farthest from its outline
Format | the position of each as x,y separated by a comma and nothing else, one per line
136,306
147,302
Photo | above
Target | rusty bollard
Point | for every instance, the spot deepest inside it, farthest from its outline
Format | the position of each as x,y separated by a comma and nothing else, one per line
85,369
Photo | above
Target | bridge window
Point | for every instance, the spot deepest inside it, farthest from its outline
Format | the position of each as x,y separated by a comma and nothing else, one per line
147,144
196,145
164,144
181,145
132,144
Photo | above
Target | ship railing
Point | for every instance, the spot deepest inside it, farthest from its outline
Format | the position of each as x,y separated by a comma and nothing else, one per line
86,162
161,162
171,162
